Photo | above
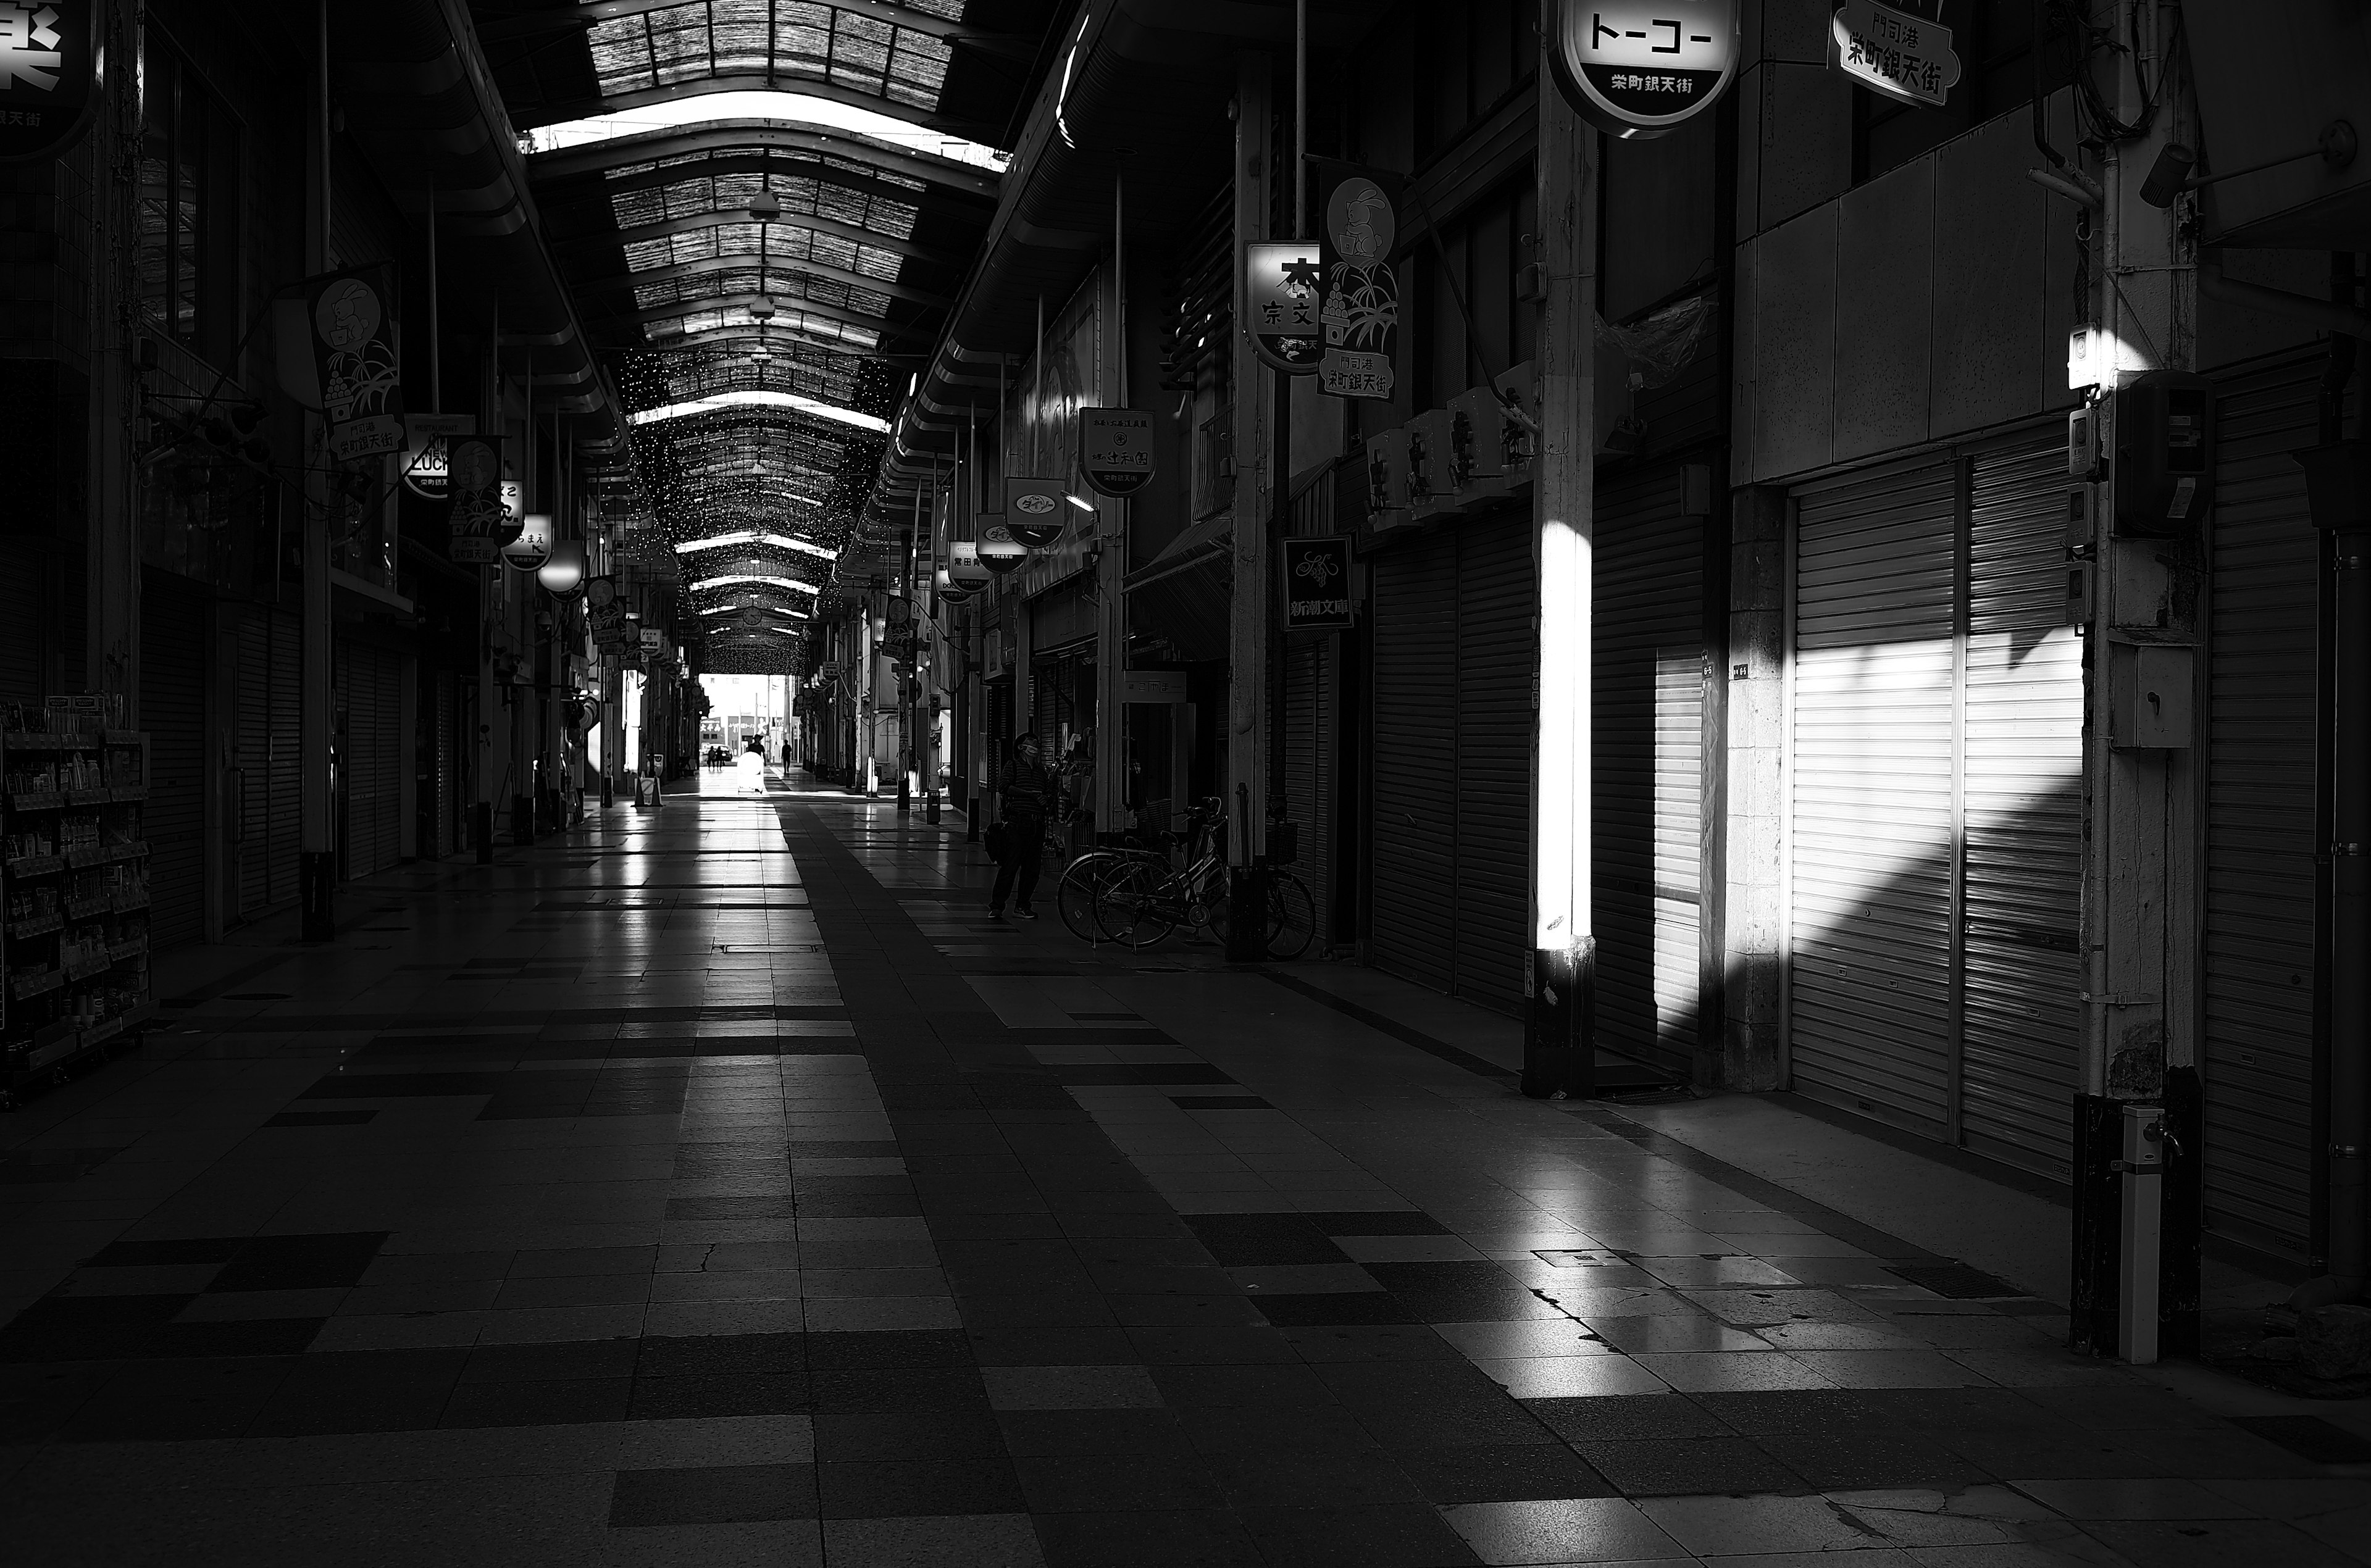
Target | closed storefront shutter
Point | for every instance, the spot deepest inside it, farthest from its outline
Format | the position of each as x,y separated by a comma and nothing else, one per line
1415,831
22,615
263,751
1312,696
2259,970
173,711
1495,660
1936,824
1870,992
443,838
2022,813
367,689
1646,749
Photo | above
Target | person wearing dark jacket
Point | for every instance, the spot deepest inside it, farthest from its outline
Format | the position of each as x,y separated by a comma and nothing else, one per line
1028,793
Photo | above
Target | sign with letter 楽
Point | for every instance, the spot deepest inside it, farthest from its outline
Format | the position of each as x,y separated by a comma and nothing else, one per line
49,75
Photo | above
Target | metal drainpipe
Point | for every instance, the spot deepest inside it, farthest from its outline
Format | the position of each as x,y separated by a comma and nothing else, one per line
2349,1062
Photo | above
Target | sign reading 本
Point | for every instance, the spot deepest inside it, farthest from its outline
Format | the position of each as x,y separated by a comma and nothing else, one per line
1640,68
473,471
1357,226
353,353
1035,510
1116,450
427,450
1280,284
1317,583
1901,50
49,75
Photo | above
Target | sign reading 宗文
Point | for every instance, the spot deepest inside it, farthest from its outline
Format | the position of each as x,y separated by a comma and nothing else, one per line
1636,68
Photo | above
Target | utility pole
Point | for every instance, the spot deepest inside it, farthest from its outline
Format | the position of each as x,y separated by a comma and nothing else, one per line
1255,406
2135,1291
317,833
1110,523
1559,1034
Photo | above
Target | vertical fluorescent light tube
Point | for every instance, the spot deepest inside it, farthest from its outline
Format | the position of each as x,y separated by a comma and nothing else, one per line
1563,917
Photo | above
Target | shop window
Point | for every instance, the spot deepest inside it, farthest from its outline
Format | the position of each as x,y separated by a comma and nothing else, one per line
189,205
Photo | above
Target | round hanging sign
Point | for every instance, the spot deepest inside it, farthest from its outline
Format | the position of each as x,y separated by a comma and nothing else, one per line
999,551
1035,511
49,75
1642,68
532,548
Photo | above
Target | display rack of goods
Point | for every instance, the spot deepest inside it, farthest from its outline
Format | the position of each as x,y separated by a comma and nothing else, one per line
73,887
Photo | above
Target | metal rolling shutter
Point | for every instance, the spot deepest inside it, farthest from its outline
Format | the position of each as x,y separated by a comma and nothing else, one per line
1414,829
1495,660
173,711
1646,749
2260,979
1871,993
442,838
367,687
2021,814
1309,764
264,749
283,785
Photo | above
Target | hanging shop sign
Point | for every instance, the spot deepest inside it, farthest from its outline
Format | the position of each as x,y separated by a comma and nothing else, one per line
1116,450
1359,292
474,480
1035,510
1641,68
1317,583
353,355
533,546
999,551
1280,291
428,451
950,591
965,566
604,615
49,75
1900,50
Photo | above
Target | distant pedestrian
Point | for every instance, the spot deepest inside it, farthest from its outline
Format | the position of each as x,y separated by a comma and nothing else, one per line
1029,791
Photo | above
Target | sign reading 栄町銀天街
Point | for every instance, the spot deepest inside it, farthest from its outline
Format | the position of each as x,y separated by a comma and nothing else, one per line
49,75
1899,49
1638,68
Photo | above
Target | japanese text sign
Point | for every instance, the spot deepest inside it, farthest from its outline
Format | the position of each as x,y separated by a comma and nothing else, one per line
533,546
427,450
1900,50
1640,68
353,352
473,472
1359,304
1116,450
1317,583
48,75
1280,284
1035,510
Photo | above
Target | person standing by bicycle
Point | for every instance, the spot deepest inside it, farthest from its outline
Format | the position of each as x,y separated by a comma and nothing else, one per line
1029,791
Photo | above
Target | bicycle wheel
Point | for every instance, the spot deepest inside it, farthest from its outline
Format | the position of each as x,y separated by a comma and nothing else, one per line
1075,894
1291,916
1132,906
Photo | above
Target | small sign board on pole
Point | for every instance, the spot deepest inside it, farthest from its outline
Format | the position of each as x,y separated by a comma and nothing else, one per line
1280,286
1899,50
1116,450
1317,583
1035,510
427,450
474,480
1357,227
533,546
49,75
354,354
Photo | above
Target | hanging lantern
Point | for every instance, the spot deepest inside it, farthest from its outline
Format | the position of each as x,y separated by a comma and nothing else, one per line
564,574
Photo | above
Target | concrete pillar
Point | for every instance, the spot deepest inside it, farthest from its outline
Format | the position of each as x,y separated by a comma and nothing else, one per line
316,842
1750,1051
1256,481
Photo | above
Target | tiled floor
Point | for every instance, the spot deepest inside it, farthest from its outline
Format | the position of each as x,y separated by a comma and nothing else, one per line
717,1185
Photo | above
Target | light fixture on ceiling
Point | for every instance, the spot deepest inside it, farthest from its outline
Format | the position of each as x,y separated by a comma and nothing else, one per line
765,206
761,310
562,573
750,537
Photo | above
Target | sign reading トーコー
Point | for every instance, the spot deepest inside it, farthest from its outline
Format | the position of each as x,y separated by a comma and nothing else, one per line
1640,68
1899,49
1317,583
1360,294
1280,284
353,352
1115,450
49,75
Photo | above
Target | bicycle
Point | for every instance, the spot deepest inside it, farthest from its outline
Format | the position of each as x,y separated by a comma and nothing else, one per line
1139,903
1082,880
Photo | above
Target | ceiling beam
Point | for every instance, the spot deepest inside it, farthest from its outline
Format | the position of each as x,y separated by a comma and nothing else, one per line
746,261
667,228
738,135
804,307
707,339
